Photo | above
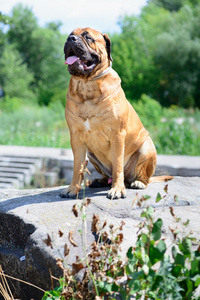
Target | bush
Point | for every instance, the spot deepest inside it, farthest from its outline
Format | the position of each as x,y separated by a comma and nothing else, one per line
170,134
10,104
173,138
149,110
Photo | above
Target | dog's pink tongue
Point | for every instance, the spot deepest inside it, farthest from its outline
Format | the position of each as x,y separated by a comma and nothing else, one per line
71,60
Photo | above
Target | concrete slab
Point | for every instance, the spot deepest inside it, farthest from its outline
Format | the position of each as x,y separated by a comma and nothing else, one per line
27,216
179,165
35,151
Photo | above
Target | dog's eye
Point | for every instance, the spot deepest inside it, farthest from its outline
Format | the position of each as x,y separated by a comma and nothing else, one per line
89,38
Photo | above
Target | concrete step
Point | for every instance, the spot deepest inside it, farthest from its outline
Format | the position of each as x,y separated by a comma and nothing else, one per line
5,185
26,173
30,167
17,171
18,160
15,175
14,182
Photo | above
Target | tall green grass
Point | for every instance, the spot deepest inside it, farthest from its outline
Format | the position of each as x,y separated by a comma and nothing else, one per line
27,124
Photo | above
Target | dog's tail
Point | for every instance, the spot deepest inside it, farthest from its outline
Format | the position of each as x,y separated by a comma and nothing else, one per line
162,178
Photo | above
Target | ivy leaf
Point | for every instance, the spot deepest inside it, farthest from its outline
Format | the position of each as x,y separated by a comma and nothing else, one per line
135,287
129,253
185,246
146,197
194,267
196,280
180,260
156,252
176,270
157,281
156,231
158,197
105,287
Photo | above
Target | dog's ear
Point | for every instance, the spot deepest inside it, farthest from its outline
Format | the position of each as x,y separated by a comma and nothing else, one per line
108,45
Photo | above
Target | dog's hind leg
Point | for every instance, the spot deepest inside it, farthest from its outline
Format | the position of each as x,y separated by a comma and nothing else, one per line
141,166
143,173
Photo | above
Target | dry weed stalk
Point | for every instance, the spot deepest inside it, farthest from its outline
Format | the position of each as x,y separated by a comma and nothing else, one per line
4,287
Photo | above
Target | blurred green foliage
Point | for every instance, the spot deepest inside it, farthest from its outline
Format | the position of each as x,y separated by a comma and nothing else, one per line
156,53
31,58
157,56
174,130
28,124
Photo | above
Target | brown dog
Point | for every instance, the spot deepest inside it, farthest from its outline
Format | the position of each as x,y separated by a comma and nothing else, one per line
101,121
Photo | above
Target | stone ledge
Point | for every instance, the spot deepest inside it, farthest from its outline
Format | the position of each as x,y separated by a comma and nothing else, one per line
27,216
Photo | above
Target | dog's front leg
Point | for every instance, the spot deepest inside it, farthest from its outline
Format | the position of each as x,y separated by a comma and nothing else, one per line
117,149
79,152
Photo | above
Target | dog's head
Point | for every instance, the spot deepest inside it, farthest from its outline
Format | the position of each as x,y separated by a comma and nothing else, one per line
87,50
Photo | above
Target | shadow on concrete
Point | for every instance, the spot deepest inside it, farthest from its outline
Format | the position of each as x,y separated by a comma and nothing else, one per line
7,203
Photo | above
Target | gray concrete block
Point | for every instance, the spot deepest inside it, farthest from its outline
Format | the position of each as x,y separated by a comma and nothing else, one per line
14,183
27,216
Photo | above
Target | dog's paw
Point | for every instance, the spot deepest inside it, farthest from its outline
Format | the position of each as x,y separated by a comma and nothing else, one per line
138,185
67,193
116,193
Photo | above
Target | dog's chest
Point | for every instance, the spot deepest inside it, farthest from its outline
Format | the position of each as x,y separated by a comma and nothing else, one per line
87,125
91,125
90,116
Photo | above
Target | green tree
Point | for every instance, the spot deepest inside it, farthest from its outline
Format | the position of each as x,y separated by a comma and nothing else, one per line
14,75
3,21
42,50
132,58
172,5
47,63
21,27
158,53
177,55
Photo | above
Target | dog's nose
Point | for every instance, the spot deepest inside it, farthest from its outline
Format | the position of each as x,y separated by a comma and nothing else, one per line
72,38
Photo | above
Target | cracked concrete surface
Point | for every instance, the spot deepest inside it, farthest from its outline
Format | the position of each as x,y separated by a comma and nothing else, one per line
27,216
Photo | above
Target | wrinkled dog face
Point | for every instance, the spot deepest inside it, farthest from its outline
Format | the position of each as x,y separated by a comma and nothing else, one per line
85,49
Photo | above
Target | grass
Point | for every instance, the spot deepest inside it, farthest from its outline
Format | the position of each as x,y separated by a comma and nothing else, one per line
33,125
26,123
